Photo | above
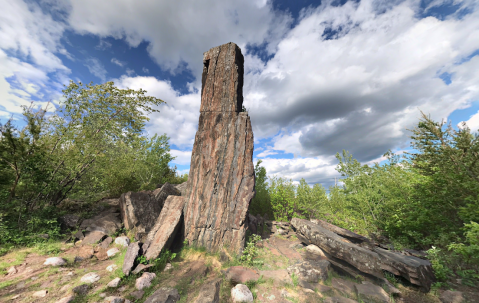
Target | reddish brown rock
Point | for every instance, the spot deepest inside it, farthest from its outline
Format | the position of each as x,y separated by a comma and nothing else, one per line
221,179
166,226
141,209
240,274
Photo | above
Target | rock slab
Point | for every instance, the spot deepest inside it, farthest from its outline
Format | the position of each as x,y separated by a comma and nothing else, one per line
164,295
140,210
373,262
131,253
221,179
209,292
167,225
311,271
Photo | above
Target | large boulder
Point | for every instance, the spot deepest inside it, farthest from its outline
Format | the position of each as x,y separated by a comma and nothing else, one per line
221,179
107,222
166,227
417,271
140,210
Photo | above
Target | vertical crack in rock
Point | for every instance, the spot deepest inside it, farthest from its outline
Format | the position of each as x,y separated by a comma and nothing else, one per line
221,180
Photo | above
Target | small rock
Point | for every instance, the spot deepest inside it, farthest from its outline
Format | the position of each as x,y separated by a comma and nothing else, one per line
11,271
90,277
112,252
113,299
296,246
77,259
141,267
94,237
34,278
16,297
451,297
66,299
20,285
114,283
241,293
164,295
130,257
81,289
168,267
40,294
85,252
313,249
137,294
144,281
55,261
105,243
101,254
122,289
123,241
111,268
102,295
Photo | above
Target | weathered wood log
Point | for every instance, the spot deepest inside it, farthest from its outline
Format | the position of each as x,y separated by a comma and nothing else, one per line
417,271
221,179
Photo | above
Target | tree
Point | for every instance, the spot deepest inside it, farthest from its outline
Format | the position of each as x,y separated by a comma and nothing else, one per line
261,203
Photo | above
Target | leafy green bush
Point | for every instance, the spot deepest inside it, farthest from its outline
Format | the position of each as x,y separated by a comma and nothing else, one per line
250,251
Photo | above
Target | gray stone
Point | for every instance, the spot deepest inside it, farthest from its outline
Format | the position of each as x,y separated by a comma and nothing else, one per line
69,221
94,237
105,243
130,257
241,294
40,293
112,252
107,222
90,277
144,281
123,241
311,271
166,226
114,283
79,235
416,270
450,296
140,210
182,187
164,295
55,261
371,292
141,267
313,249
209,292
81,289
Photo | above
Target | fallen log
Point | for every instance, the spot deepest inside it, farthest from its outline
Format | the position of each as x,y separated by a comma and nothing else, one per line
415,270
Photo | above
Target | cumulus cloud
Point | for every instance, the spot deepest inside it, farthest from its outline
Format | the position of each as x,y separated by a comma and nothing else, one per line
182,157
34,39
353,77
180,31
145,70
178,117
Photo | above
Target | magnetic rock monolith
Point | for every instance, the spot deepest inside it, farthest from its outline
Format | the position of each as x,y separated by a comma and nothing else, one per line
221,179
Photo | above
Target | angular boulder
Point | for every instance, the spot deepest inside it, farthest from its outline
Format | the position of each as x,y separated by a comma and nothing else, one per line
311,271
133,251
140,210
164,295
107,222
417,271
167,225
221,179
209,292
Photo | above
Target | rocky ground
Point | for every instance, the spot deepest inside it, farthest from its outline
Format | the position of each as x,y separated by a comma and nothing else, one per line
91,270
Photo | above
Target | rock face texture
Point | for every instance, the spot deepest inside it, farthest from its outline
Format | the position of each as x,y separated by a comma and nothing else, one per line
140,210
221,179
372,261
167,226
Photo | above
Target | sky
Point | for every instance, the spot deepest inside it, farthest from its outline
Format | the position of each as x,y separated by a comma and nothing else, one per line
320,76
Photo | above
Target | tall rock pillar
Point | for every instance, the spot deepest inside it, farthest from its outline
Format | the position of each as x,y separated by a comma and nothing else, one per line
221,179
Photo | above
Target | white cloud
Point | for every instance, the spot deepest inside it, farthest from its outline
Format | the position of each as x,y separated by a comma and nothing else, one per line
130,72
182,157
145,70
96,68
178,118
180,31
118,62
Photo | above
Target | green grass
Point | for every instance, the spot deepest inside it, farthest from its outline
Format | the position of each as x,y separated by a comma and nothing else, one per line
20,257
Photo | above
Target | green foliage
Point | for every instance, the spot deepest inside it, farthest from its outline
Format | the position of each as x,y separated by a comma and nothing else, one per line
92,146
439,265
283,200
251,251
261,203
470,251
